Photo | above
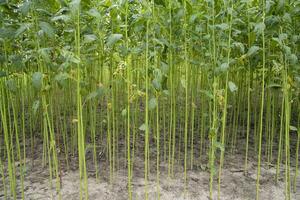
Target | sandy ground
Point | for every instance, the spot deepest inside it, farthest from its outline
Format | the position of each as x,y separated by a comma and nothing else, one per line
235,184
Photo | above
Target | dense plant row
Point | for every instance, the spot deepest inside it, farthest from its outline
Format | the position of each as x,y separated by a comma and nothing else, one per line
180,77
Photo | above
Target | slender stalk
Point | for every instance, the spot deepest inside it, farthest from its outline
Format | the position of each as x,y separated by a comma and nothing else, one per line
261,105
80,134
128,105
297,154
146,110
224,116
186,67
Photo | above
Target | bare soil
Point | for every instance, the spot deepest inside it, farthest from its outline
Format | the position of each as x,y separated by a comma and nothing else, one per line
236,185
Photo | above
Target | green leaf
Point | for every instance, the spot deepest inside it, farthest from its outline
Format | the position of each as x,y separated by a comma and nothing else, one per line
17,62
274,85
223,67
283,36
113,38
259,28
43,11
157,74
61,79
222,26
47,29
164,68
297,79
193,18
11,85
88,38
63,18
232,86
22,29
7,33
203,167
166,92
280,4
287,50
156,84
287,18
25,7
207,93
293,128
70,56
44,53
268,6
97,93
219,146
74,5
293,59
240,46
92,95
143,127
3,74
252,51
152,103
94,13
183,83
35,106
37,80
124,112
